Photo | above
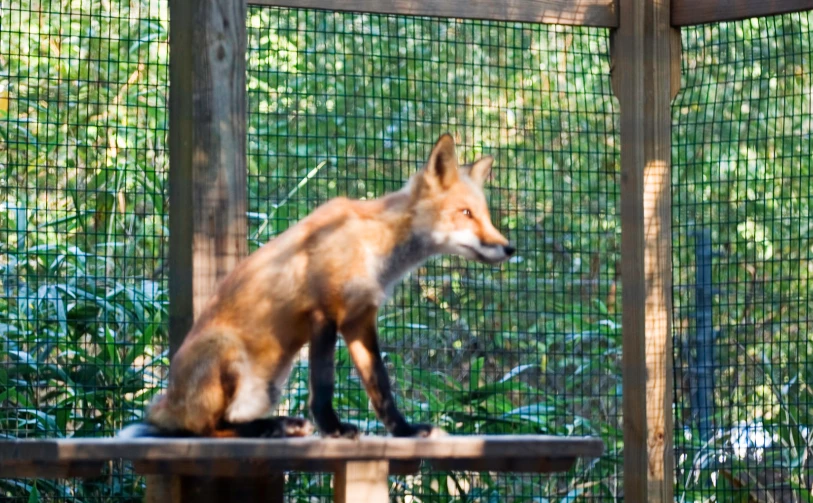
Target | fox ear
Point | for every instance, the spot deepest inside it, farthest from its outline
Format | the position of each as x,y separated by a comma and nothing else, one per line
480,169
441,169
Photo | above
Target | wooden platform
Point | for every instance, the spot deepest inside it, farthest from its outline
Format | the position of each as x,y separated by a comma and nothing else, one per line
361,465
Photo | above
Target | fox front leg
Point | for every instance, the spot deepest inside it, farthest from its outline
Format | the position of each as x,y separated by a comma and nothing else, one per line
322,377
362,342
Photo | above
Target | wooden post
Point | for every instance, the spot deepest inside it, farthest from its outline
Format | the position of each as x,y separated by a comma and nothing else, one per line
358,481
580,13
688,12
208,197
207,176
645,64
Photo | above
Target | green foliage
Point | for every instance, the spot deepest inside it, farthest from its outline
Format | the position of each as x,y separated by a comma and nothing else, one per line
742,157
532,346
82,226
349,104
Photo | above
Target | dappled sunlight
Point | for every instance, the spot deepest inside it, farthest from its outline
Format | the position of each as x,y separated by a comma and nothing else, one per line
741,185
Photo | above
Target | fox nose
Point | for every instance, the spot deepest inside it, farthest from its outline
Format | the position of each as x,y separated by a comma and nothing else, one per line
509,250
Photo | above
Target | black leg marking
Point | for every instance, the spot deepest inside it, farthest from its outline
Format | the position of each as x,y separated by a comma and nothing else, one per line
322,378
384,401
363,345
273,427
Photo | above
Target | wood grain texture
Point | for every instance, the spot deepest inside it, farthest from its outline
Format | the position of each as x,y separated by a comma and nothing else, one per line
51,470
205,450
207,175
643,52
219,490
689,12
208,196
505,465
358,481
256,468
599,13
219,194
162,489
181,139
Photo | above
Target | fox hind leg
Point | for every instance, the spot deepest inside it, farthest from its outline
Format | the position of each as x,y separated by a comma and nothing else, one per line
263,427
250,395
253,400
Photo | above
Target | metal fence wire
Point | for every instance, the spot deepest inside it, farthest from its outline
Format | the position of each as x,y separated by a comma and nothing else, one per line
346,104
743,261
350,104
340,104
83,218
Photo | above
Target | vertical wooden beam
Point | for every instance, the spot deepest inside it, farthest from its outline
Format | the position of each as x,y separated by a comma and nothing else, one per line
208,197
644,62
181,135
358,481
163,489
207,177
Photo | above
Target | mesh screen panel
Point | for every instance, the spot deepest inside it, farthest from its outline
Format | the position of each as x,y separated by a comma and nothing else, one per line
340,104
83,157
344,104
742,261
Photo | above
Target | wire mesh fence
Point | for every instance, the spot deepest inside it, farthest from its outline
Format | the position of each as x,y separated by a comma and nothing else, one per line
742,261
345,104
82,225
341,104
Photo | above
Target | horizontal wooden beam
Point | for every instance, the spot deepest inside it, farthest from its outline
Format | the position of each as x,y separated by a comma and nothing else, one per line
513,465
689,12
47,470
600,13
253,468
203,450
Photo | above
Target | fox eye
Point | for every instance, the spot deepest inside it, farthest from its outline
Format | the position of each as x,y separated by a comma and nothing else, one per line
467,212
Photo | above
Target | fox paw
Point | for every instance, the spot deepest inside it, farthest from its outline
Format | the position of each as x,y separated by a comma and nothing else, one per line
294,427
417,430
345,430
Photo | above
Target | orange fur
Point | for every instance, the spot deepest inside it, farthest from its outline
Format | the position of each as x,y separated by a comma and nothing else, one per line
335,266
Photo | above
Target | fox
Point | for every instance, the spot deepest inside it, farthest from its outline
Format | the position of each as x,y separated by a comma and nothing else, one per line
325,276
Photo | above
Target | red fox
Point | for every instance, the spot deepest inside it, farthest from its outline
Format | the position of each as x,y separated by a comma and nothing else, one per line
327,274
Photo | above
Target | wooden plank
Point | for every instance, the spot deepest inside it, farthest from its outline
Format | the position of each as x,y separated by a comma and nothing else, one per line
358,481
309,448
256,468
643,62
600,13
46,470
506,465
689,12
163,489
206,489
219,194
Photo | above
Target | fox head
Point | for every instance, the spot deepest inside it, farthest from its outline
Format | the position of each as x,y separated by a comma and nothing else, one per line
449,207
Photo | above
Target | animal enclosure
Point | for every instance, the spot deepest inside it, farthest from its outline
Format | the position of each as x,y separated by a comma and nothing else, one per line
346,104
349,104
741,185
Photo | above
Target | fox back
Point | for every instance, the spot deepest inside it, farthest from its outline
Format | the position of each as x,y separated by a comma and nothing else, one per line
326,275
